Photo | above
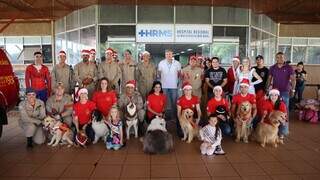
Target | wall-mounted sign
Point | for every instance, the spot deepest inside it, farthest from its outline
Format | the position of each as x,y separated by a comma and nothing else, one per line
155,33
193,33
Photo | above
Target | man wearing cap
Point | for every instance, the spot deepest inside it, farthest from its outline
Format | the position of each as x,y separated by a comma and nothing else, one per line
37,77
63,73
231,75
145,74
32,112
241,97
82,111
169,70
85,73
110,69
130,95
60,105
128,67
193,74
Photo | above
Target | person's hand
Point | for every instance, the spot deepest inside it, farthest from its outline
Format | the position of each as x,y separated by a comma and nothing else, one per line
57,117
292,92
222,117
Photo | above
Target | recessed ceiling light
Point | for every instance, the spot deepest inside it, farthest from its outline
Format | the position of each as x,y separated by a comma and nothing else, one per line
189,49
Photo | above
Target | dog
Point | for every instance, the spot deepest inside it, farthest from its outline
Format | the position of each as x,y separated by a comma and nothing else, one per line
188,126
157,139
59,131
131,118
99,126
267,130
243,121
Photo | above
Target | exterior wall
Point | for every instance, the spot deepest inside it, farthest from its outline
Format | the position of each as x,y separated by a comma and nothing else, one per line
299,30
26,29
313,78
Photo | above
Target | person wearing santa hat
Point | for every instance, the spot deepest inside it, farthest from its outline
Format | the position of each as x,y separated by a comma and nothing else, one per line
82,111
188,100
145,74
131,95
93,58
128,68
37,77
62,72
85,73
110,70
212,106
194,75
231,75
242,96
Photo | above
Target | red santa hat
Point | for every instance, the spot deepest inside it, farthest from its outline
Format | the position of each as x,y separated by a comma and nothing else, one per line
110,50
218,88
236,58
82,91
85,52
145,52
274,91
92,51
193,58
62,53
131,83
186,85
245,82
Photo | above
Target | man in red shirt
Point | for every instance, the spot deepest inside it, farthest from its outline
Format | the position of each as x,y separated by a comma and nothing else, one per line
243,96
37,77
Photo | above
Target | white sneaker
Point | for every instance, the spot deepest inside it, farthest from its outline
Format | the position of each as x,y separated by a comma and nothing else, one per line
219,150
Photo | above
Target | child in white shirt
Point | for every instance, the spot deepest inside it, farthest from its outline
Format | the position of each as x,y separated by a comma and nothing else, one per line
211,136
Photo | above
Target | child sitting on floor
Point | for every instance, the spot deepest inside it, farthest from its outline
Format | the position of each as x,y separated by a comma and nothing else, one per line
211,136
115,134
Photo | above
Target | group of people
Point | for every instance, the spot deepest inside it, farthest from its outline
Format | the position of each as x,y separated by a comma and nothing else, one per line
109,86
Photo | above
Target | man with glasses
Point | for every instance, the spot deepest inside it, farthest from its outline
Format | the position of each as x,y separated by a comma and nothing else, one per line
37,77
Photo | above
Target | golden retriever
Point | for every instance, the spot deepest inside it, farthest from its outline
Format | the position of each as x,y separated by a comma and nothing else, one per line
267,130
243,121
188,125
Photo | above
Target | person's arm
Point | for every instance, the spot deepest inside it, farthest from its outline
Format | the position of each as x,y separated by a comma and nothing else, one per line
42,110
48,80
68,108
268,84
208,83
27,77
25,117
293,84
53,78
76,74
259,79
254,111
233,111
95,74
224,82
199,113
178,111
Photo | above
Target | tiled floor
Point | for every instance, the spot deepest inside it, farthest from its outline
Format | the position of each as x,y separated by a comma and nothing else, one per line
299,158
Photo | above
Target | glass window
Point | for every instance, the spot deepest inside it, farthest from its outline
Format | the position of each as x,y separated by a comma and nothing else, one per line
299,54
73,20
286,49
47,53
73,48
314,41
60,25
60,43
32,40
155,14
313,55
300,41
88,38
285,40
225,51
266,23
1,41
117,14
230,15
256,20
193,14
46,39
14,47
88,16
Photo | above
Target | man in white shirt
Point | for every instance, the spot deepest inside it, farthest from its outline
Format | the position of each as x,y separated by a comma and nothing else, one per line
169,71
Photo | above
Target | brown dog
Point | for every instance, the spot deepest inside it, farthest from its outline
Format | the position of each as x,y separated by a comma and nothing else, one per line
267,129
188,125
243,121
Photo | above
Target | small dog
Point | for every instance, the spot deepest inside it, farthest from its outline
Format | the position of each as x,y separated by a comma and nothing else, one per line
157,140
99,126
267,131
188,126
131,117
243,121
60,131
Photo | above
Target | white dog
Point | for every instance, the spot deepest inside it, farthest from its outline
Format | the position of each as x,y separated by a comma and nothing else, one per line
131,119
157,140
60,131
99,126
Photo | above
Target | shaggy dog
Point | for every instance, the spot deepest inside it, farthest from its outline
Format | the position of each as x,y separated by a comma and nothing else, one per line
157,140
99,126
188,126
267,129
131,118
243,121
60,131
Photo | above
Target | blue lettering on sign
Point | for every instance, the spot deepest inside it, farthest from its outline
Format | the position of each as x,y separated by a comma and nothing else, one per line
155,33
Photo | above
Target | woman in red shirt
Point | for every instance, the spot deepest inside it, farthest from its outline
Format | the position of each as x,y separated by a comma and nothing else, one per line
104,97
224,123
187,100
82,111
156,101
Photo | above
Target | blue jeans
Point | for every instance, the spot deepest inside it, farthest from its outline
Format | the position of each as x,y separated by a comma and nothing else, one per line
42,95
299,92
284,127
172,97
225,128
